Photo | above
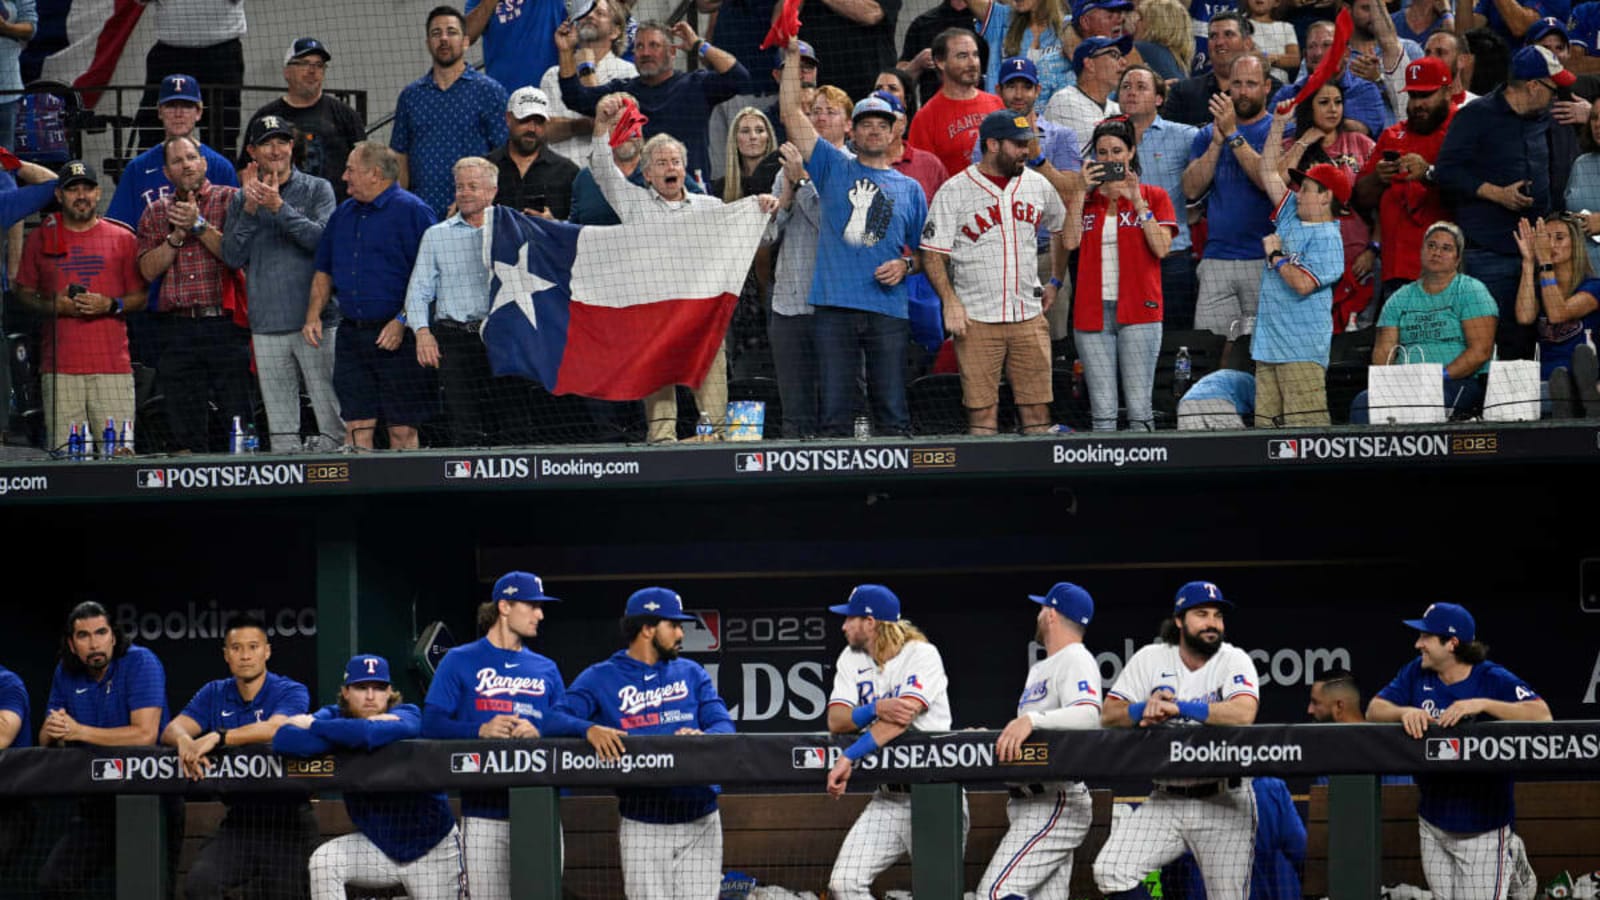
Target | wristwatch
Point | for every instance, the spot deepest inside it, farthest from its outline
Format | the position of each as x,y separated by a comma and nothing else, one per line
199,227
1236,140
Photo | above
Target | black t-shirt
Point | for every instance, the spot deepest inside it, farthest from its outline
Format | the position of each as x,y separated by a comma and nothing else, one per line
329,128
920,34
550,175
850,55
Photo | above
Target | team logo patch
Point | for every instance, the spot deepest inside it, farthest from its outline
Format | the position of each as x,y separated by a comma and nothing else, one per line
1444,749
1240,679
466,763
810,757
1283,449
928,230
107,770
749,462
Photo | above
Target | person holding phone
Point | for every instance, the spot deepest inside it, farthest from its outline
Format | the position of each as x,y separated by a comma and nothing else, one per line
533,178
1121,228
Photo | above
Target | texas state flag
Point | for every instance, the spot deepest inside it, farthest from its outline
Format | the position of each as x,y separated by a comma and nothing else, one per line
615,312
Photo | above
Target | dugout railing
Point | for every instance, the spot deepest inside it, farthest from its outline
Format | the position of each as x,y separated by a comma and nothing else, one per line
936,766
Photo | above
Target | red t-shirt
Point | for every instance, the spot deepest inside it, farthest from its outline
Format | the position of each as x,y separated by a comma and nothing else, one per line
1407,207
1138,271
922,167
104,260
948,128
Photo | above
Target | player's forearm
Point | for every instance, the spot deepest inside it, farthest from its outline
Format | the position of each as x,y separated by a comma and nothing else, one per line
179,729
884,732
254,733
1523,711
1073,718
1240,710
121,736
1115,714
1381,710
839,719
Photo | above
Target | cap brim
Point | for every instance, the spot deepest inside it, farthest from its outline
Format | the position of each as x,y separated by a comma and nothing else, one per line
368,681
542,598
1424,89
842,609
1419,625
65,183
682,618
885,114
1564,79
1038,599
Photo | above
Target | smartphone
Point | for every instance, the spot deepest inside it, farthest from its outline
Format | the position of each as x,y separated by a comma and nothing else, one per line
1391,156
74,290
538,201
1113,171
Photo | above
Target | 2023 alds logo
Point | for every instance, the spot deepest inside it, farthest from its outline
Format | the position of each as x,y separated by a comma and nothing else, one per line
488,468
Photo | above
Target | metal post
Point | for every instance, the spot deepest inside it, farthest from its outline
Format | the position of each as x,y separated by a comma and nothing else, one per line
1355,832
936,842
536,849
141,852
336,600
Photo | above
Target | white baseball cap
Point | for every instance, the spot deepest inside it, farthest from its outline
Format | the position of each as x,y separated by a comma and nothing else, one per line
528,101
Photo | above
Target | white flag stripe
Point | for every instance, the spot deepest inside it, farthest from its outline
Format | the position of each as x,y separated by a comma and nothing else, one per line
693,254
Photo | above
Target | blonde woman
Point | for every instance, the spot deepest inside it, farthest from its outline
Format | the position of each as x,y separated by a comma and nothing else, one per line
1165,38
1560,296
751,142
1030,28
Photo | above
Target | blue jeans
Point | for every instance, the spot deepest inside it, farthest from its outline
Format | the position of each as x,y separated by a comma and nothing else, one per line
1129,349
794,361
843,336
1462,397
1501,274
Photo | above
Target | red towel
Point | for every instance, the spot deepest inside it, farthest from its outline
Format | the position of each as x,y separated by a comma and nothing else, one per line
629,125
784,28
1342,27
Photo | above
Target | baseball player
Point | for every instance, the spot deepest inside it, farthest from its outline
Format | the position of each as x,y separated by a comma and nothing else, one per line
1050,820
260,837
889,679
494,688
671,838
1280,850
1468,847
980,248
106,692
400,838
15,813
1189,676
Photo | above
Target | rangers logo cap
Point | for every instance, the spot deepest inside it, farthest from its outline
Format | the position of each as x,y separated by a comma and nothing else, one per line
178,87
1014,67
1543,29
659,602
77,172
1069,600
306,46
873,600
263,127
1537,63
1199,593
1426,75
524,586
366,667
1446,620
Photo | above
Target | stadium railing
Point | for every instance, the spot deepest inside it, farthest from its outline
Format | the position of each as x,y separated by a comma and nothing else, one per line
1351,835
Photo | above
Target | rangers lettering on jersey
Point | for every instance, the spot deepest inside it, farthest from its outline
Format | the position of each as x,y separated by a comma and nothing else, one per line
493,684
631,700
990,218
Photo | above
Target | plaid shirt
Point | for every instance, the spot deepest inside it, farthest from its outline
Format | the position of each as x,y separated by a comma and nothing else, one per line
195,278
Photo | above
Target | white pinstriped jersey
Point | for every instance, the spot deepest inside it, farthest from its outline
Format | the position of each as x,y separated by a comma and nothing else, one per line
989,235
1224,676
1068,677
916,671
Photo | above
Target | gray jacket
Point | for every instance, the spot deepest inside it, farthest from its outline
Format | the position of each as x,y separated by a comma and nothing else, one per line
278,253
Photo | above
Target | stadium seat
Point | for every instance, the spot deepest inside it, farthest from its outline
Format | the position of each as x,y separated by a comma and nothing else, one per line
1348,359
935,402
1205,357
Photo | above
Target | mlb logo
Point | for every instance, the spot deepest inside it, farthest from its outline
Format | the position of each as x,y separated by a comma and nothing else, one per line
749,462
811,757
704,634
151,478
457,468
466,763
1444,749
108,770
1283,449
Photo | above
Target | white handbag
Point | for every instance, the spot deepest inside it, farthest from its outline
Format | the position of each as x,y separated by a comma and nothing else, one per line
1513,393
1408,393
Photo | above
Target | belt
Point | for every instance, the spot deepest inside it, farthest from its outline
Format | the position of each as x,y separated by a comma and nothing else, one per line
895,788
1198,791
452,325
198,312
1026,791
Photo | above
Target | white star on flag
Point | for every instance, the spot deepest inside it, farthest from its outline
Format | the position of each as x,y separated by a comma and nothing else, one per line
518,285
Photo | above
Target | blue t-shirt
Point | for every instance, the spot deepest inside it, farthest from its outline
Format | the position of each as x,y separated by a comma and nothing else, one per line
134,681
1471,804
1559,10
478,681
519,41
1557,340
219,705
144,181
1403,29
1055,69
1239,213
624,693
869,216
14,698
370,248
1291,327
1584,29
1239,388
404,826
680,106
434,128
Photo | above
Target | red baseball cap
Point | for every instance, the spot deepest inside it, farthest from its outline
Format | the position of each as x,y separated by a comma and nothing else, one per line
1328,175
1426,75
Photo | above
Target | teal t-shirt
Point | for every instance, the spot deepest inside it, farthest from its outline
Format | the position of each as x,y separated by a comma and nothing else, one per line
1430,324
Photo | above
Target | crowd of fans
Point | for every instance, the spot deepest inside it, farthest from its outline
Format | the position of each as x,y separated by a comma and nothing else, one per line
339,280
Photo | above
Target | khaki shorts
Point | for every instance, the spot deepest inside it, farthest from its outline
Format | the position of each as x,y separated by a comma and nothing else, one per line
1291,395
1022,349
84,398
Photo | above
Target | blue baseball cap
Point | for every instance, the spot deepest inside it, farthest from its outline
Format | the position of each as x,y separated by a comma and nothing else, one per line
873,600
893,101
1446,620
524,586
365,667
806,52
1014,67
1094,45
659,602
306,46
1004,125
1085,6
1069,600
872,105
179,87
1199,593
1544,28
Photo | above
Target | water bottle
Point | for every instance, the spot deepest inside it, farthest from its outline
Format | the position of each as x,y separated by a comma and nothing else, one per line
236,437
703,429
1182,373
125,443
108,439
74,442
863,428
252,443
